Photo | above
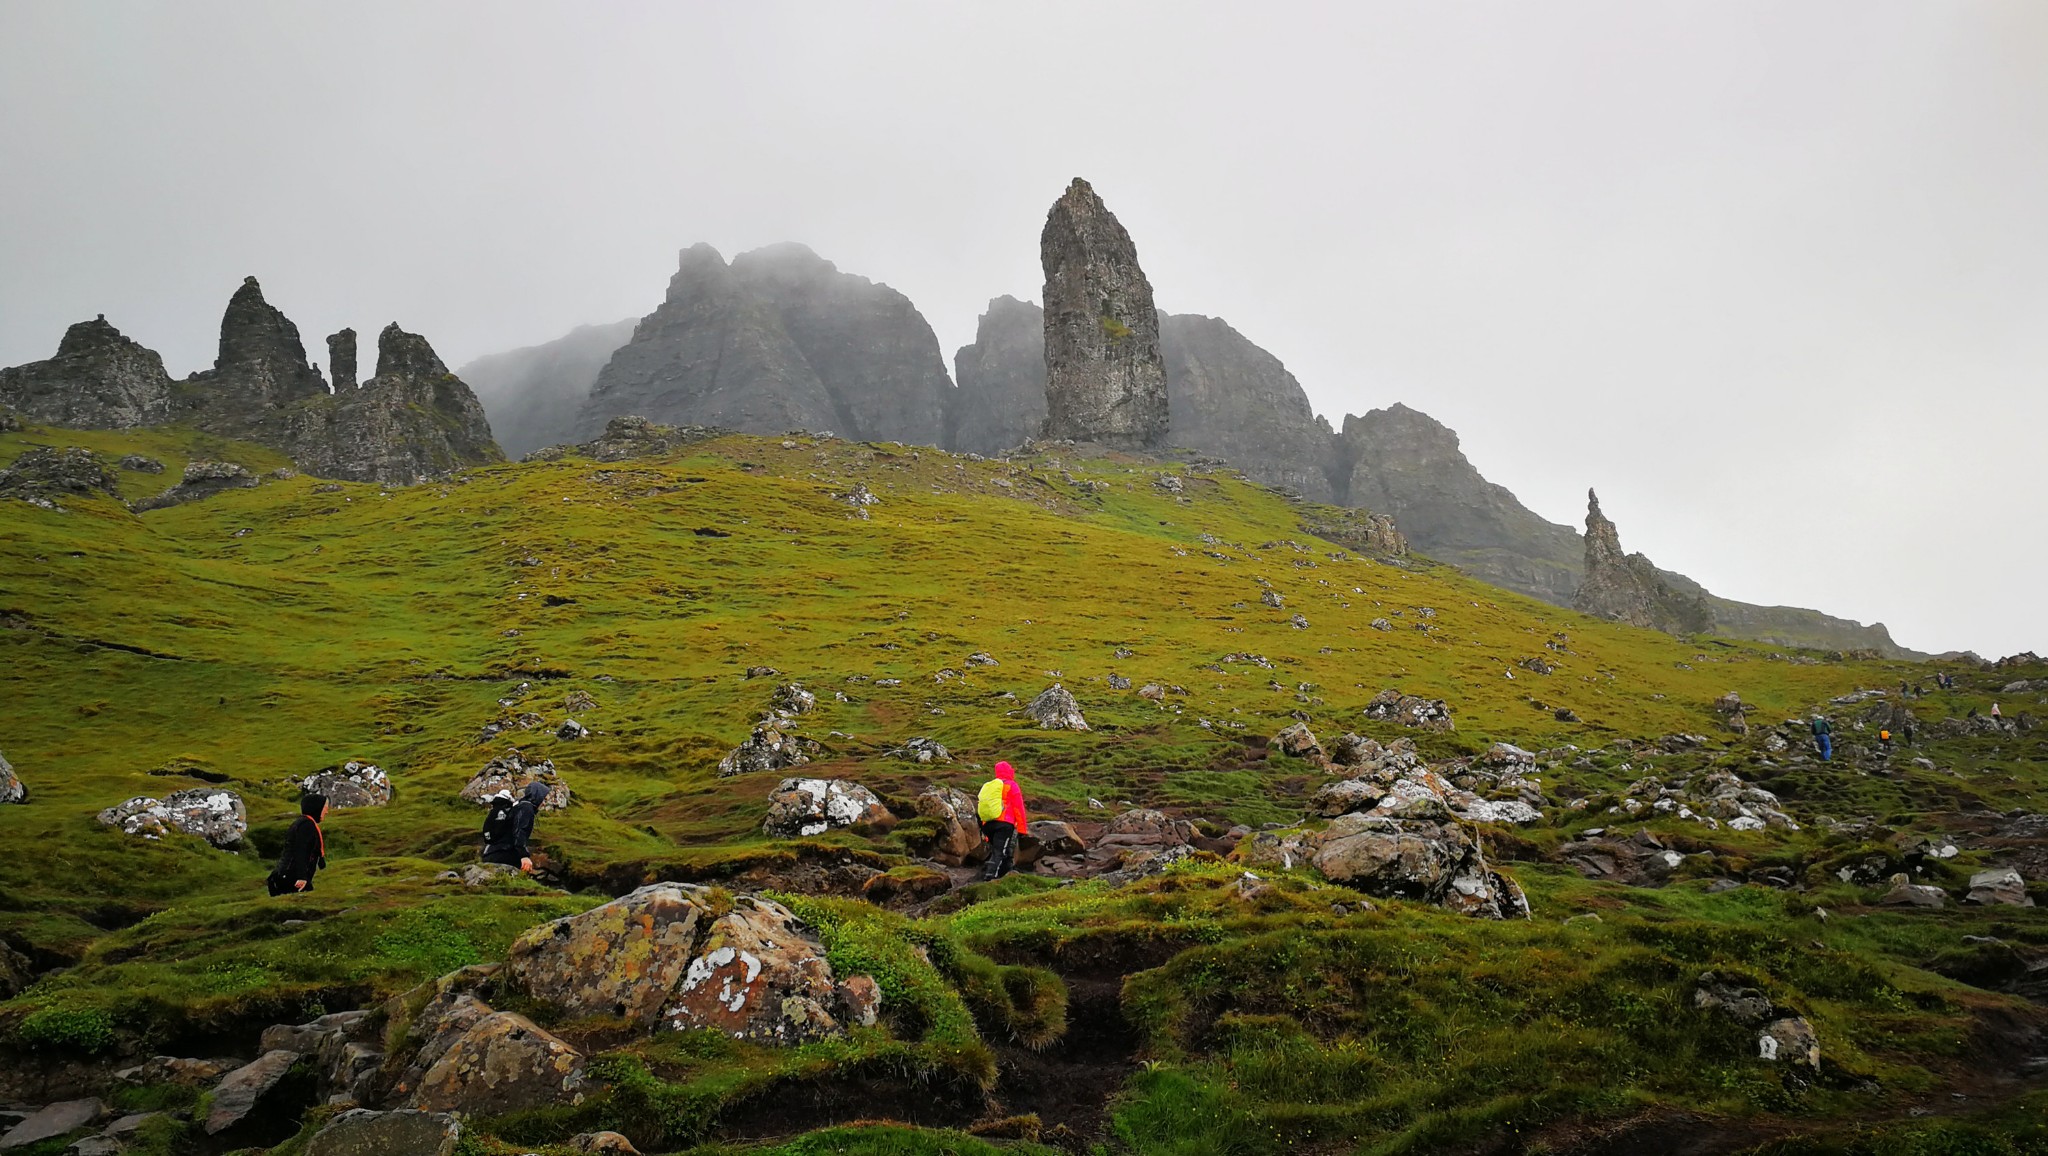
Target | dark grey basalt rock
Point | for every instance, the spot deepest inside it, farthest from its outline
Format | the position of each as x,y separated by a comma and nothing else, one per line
1105,381
98,380
1628,587
779,339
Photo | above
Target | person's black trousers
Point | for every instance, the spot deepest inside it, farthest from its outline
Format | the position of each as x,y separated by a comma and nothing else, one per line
1002,848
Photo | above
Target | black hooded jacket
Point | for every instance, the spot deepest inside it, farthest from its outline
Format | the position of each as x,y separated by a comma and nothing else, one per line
305,846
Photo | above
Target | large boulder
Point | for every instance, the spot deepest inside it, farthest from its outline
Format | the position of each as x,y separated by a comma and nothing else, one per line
1999,886
959,836
405,1132
243,1090
1297,741
345,1048
772,747
211,813
501,1062
1055,709
12,789
679,956
509,773
354,785
799,807
1435,862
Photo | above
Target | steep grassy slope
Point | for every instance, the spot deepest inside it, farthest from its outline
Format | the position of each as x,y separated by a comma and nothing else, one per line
149,653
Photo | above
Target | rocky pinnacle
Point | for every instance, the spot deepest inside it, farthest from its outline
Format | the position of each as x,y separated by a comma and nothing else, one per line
1104,382
1628,587
341,359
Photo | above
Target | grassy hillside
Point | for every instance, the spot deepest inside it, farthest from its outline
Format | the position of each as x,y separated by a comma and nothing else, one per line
145,654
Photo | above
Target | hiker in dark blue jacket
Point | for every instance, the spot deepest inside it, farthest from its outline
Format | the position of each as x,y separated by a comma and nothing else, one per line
1824,737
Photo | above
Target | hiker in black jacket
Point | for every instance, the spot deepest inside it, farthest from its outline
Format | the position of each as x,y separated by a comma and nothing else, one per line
509,829
305,848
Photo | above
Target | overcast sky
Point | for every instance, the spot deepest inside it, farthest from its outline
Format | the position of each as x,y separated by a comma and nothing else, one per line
1773,276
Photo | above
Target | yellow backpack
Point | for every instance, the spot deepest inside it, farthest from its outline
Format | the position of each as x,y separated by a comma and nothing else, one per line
990,805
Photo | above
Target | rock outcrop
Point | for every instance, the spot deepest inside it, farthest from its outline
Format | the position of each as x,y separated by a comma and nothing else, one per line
405,1132
1628,587
354,785
534,394
341,359
261,369
1233,400
802,807
1105,382
413,420
676,956
211,813
98,380
1000,399
44,476
779,339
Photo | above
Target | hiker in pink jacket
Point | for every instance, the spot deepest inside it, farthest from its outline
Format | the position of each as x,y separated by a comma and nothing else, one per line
1001,810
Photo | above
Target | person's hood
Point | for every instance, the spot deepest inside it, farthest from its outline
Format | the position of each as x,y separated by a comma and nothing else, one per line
536,792
310,805
1005,772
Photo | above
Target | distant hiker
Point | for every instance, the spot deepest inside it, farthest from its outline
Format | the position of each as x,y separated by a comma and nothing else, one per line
1884,739
1824,737
1908,732
508,828
305,849
1994,711
1001,810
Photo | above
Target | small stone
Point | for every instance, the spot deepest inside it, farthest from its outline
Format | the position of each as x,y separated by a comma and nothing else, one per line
52,1121
571,730
2002,886
1790,1041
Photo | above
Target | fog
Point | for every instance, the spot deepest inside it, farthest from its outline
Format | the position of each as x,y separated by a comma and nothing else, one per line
1773,277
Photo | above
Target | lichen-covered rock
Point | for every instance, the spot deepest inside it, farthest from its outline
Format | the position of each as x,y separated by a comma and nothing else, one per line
404,1132
758,975
611,1142
1790,1041
12,789
1055,709
500,1062
1297,741
1745,1005
792,698
802,807
356,784
1104,379
769,748
211,813
1435,862
46,475
922,750
1410,710
98,380
509,773
1999,886
621,959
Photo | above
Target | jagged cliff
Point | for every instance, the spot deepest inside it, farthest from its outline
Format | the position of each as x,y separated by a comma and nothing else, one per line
1000,396
414,418
1629,587
1104,380
534,394
777,340
98,380
1232,399
1406,463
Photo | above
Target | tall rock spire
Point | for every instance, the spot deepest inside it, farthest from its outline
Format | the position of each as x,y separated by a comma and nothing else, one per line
1628,587
1104,380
